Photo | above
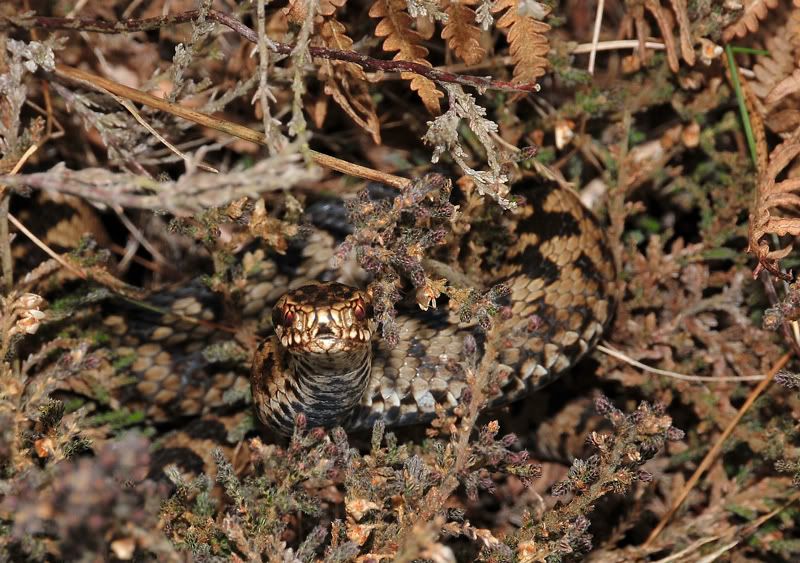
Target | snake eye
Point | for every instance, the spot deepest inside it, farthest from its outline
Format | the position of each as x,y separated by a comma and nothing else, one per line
360,310
282,317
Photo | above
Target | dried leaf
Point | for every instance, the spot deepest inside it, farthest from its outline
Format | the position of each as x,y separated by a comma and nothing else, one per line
395,26
461,33
345,82
754,11
527,41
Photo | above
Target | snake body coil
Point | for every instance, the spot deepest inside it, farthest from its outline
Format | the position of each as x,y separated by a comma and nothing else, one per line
322,361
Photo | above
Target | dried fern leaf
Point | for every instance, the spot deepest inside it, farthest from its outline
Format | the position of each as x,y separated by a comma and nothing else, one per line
787,86
395,26
754,12
295,10
775,85
328,7
461,33
345,82
527,41
777,207
685,30
665,24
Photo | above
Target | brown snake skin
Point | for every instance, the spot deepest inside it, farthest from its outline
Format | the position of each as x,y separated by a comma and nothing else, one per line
560,273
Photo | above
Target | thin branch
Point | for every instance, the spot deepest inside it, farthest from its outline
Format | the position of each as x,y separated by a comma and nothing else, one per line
364,61
598,22
228,127
683,377
5,217
132,109
38,242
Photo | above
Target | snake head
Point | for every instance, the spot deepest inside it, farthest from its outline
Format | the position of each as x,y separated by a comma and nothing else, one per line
323,318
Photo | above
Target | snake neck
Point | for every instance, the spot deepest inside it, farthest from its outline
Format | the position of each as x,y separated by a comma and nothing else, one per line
330,387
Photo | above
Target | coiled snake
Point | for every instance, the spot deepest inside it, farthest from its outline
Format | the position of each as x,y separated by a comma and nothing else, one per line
323,359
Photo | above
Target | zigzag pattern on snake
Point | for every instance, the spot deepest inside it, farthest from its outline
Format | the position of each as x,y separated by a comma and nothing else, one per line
559,271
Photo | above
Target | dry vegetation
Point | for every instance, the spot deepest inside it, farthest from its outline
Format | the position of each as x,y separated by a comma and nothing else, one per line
150,146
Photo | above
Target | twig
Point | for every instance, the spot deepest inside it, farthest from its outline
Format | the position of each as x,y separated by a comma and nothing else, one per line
598,22
715,449
5,216
694,546
696,378
38,242
713,556
616,44
228,127
272,134
132,109
616,196
139,237
364,61
5,244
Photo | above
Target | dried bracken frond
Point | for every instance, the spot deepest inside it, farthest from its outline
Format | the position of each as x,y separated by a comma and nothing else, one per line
395,26
754,12
527,41
776,80
771,69
665,20
787,86
685,30
776,207
346,83
461,33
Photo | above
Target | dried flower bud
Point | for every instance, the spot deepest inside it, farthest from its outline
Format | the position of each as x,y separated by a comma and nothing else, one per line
508,440
788,379
528,152
603,405
561,488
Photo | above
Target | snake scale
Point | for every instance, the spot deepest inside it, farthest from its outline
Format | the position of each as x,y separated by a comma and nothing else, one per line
323,360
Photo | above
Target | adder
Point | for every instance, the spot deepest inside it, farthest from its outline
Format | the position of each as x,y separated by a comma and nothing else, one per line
324,358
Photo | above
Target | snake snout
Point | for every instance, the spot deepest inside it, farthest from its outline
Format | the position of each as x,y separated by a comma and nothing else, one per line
325,318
